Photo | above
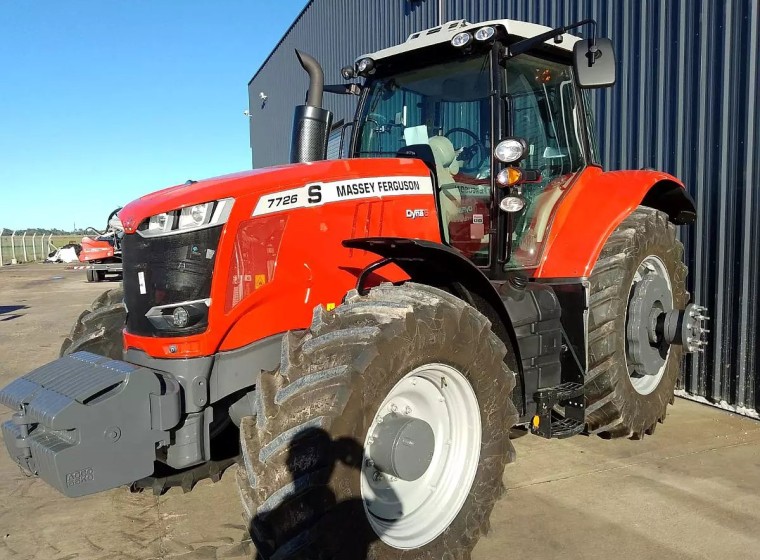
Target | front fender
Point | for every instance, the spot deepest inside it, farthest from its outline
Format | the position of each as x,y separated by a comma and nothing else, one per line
598,203
435,264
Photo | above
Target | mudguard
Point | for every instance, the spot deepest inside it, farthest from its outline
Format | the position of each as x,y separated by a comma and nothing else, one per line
429,263
595,205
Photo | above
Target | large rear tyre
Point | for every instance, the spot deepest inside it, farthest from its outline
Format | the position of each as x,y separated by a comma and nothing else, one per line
628,386
410,361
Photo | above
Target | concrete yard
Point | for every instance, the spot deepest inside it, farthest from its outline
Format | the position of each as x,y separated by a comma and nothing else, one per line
691,491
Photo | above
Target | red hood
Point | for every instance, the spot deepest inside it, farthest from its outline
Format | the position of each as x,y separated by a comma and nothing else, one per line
258,182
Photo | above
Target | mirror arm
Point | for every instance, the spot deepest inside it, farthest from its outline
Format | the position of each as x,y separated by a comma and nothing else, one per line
527,44
343,89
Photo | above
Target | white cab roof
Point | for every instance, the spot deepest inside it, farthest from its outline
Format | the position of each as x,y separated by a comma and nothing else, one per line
445,32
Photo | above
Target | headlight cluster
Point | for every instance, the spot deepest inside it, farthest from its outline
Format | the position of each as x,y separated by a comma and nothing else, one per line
198,216
465,37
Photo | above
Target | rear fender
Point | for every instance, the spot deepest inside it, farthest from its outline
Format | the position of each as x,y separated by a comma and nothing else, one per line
597,204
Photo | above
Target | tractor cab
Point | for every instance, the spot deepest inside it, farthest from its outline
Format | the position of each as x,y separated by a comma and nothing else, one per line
461,90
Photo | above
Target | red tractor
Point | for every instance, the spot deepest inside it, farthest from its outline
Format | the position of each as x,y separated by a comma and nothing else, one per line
102,253
361,335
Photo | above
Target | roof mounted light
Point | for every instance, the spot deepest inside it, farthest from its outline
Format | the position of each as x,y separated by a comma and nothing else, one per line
485,33
365,66
348,72
511,150
461,39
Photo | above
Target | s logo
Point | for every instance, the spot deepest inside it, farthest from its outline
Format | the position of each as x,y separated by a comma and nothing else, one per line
315,194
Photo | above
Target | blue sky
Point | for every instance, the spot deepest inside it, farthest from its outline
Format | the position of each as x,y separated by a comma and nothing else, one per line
102,101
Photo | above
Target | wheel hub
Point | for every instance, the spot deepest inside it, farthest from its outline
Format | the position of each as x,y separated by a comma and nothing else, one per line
403,447
421,455
652,325
651,298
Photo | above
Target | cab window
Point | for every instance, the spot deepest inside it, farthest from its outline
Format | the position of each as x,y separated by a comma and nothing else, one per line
544,111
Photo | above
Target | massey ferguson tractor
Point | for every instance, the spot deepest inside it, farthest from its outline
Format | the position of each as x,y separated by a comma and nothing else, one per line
361,335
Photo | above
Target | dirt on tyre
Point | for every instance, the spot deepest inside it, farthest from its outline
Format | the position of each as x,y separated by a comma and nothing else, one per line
631,379
325,470
98,329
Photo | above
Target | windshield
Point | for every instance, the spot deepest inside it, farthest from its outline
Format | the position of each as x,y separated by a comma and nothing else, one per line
447,107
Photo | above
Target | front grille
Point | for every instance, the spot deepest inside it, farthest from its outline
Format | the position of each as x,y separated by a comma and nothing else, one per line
167,270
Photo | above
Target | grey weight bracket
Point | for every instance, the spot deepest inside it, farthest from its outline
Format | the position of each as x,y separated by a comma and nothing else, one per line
85,423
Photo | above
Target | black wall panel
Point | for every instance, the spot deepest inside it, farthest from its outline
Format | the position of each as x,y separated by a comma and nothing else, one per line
685,102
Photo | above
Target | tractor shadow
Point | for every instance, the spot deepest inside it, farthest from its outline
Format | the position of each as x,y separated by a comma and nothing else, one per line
315,522
7,312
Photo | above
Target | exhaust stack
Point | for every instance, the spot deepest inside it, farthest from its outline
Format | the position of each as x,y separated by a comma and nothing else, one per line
311,123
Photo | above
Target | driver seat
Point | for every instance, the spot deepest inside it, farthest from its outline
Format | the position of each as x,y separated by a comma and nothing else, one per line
446,166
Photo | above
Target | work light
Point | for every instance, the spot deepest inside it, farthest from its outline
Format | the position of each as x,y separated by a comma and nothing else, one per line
461,39
485,33
511,150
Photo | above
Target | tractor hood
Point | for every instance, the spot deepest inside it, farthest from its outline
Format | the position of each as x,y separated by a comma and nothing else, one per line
263,181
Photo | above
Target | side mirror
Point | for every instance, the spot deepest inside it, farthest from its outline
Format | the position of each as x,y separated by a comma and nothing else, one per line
594,69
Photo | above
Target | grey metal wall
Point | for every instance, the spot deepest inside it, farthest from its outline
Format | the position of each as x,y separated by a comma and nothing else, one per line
685,102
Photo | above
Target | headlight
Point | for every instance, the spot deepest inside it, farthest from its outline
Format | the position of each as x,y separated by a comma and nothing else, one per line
485,33
198,216
461,39
160,223
178,316
512,203
511,150
365,66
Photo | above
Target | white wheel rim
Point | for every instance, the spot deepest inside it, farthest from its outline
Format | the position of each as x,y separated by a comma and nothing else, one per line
410,514
646,384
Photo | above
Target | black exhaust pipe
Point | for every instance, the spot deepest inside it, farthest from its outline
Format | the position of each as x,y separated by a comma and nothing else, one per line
311,123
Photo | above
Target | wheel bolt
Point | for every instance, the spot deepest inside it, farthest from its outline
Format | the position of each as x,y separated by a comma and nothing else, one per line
394,408
377,476
369,463
407,410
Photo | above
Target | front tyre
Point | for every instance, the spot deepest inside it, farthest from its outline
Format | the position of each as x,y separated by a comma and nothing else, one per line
98,329
384,433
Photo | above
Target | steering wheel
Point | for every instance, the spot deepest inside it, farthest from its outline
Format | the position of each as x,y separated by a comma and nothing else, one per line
474,154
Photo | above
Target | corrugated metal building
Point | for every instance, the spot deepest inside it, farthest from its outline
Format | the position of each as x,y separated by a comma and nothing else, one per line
685,102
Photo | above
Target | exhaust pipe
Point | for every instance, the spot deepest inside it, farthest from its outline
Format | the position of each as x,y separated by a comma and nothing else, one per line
311,123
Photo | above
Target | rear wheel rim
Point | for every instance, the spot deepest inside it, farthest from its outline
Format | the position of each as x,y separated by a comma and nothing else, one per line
651,265
410,514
